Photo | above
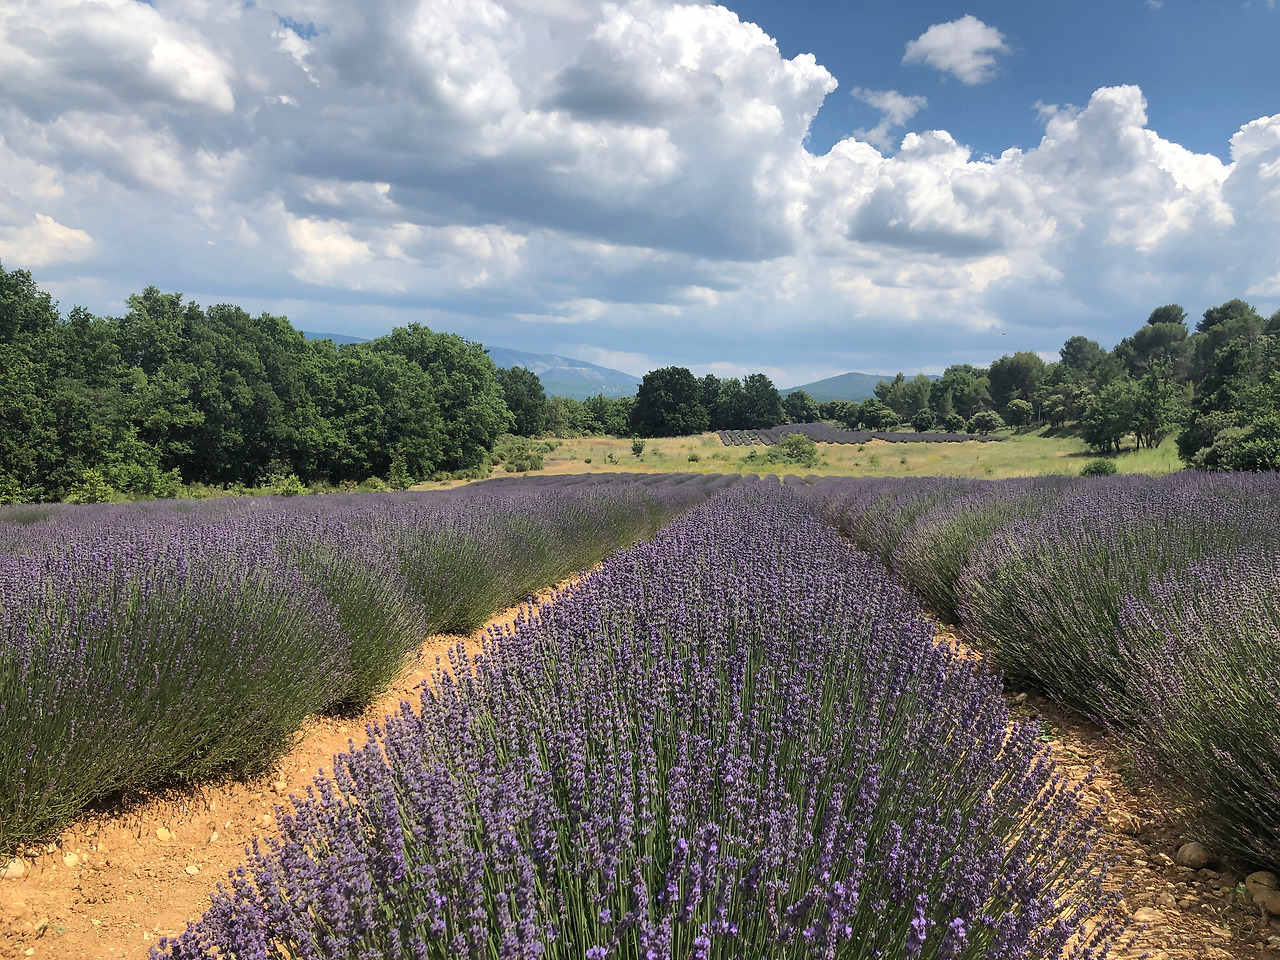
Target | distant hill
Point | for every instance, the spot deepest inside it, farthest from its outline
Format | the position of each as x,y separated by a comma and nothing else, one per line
566,377
335,337
847,386
560,376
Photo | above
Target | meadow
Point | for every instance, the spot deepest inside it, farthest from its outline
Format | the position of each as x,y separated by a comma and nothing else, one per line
1020,455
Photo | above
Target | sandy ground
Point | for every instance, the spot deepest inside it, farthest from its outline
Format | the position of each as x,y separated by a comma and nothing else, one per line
1179,913
115,883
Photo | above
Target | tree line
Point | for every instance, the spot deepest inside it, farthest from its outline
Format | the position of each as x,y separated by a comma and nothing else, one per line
171,393
670,402
1216,388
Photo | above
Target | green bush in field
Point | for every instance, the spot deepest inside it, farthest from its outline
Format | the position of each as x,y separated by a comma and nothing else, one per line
1099,467
291,486
794,448
985,421
519,455
92,488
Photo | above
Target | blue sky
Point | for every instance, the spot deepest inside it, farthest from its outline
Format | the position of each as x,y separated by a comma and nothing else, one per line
800,188
1206,66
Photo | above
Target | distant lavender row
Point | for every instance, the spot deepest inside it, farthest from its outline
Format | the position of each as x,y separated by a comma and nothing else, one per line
1153,604
148,644
826,433
739,740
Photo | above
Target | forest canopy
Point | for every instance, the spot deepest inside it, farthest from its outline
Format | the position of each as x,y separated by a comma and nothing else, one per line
173,393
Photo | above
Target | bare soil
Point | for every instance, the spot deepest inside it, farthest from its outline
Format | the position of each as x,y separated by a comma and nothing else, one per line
1179,913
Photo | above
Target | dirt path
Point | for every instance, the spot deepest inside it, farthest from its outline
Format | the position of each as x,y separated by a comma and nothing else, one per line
1187,914
1178,913
113,884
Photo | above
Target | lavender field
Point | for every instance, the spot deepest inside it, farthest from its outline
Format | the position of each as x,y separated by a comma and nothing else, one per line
736,740
1151,604
169,642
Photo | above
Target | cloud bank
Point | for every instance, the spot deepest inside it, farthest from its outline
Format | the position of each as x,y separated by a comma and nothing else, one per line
630,178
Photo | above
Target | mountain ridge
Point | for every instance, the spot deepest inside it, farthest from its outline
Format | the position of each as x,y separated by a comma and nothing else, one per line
852,386
560,376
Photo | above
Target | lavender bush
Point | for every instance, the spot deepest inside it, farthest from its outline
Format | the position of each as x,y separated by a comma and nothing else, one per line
876,513
125,661
463,564
737,740
934,551
1206,650
149,644
1045,592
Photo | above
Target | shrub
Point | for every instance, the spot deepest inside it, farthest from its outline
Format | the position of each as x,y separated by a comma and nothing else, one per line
955,423
1045,592
985,422
789,766
159,642
1206,652
875,513
129,660
519,455
1099,467
92,487
398,475
934,550
794,448
637,447
290,486
924,420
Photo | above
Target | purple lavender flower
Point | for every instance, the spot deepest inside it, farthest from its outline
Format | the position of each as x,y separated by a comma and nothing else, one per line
736,740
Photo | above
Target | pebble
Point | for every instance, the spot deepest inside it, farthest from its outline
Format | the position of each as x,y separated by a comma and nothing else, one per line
164,833
280,787
193,869
1164,900
1193,855
15,869
1268,900
71,860
1147,915
1262,880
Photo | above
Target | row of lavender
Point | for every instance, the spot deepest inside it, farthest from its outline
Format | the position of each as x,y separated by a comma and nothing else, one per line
150,644
738,740
1150,603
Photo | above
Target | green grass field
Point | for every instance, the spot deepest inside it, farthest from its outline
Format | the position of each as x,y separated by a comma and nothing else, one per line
1020,455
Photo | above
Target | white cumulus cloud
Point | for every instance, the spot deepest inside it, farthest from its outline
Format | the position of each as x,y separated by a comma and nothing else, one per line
895,110
965,48
633,177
